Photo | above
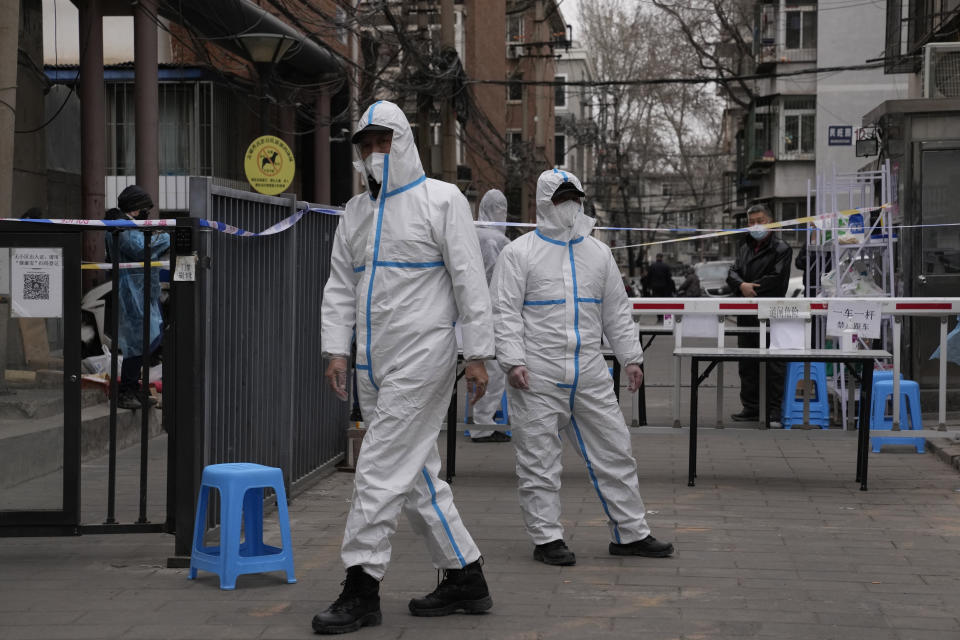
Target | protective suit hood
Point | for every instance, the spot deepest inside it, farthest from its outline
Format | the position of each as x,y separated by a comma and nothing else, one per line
549,221
402,165
493,208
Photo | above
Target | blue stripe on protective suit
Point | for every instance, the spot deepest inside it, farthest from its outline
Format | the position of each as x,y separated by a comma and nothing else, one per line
537,303
443,520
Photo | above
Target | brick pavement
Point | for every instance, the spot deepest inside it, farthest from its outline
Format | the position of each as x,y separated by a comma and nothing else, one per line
775,541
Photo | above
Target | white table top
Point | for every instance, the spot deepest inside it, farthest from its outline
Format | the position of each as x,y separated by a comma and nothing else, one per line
813,355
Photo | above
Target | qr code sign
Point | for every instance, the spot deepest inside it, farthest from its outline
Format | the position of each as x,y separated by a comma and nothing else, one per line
36,286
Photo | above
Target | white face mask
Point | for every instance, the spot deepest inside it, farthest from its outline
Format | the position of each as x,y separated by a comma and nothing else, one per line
759,232
371,166
568,211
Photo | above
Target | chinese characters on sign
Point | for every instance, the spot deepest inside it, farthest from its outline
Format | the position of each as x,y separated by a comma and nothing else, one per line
862,318
839,136
793,310
36,283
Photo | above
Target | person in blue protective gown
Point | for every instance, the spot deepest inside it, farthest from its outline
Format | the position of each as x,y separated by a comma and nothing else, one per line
557,292
134,203
405,267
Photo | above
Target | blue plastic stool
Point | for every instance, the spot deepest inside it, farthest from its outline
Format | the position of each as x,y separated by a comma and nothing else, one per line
909,397
819,405
241,487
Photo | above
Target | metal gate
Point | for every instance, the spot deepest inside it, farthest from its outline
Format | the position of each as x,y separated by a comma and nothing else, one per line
43,409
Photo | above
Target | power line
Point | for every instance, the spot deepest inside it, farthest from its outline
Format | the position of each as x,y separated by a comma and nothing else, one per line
680,80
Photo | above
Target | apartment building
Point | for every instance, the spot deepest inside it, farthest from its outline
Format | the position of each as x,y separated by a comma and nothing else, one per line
535,34
575,129
800,124
918,133
195,70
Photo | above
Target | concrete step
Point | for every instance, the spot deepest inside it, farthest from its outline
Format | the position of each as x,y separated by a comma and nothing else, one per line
31,448
42,403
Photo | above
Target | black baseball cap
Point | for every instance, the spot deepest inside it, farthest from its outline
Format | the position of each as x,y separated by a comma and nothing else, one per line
370,128
567,187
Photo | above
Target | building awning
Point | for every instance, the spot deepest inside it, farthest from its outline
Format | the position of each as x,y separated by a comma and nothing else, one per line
221,21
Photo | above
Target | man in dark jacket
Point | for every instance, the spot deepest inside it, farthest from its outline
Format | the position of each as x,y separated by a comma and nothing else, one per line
660,279
761,269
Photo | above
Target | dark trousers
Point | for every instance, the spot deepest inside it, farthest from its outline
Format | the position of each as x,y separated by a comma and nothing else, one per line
750,375
131,369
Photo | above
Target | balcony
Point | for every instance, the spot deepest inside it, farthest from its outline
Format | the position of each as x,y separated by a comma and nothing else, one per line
772,54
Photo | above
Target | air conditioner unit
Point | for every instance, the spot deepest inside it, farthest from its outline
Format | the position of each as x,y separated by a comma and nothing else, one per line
514,51
941,70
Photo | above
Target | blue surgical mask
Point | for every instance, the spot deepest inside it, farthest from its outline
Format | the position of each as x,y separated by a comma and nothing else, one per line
758,232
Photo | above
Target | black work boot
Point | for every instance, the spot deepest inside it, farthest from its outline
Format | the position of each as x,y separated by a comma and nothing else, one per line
358,605
554,552
649,547
460,590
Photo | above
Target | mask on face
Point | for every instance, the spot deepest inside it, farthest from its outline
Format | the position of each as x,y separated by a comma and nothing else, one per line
371,166
568,211
758,232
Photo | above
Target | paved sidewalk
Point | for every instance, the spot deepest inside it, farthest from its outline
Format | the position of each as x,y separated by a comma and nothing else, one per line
775,541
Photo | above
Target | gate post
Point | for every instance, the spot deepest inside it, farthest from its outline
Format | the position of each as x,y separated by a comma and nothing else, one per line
182,343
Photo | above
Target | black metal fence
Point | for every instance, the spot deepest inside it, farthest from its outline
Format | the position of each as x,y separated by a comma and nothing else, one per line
262,394
243,376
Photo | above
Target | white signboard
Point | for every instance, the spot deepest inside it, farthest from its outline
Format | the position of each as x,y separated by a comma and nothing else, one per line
861,318
783,310
36,284
186,270
4,274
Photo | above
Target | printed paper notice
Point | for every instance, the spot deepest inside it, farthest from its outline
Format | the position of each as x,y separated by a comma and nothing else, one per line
860,318
186,270
36,283
783,310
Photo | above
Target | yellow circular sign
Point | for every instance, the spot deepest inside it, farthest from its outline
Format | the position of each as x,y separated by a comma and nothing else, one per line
269,165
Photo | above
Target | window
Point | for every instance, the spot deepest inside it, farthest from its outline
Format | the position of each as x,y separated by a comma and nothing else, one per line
560,92
801,29
515,27
668,189
514,144
514,89
184,129
799,122
560,149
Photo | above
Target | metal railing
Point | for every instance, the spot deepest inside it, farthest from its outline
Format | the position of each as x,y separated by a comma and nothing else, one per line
893,309
261,393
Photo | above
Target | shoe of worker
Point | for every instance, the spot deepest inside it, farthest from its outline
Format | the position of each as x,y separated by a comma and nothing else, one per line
556,553
130,400
743,416
649,547
496,436
460,590
358,605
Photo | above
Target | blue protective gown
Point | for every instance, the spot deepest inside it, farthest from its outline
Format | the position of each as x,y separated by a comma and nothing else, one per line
130,289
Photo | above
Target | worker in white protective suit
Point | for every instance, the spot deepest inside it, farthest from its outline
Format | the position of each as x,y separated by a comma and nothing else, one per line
557,291
493,238
405,267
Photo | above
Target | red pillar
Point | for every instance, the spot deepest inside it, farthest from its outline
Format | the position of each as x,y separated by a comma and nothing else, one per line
92,124
146,100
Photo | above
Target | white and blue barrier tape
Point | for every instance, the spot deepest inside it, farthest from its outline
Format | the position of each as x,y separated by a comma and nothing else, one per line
798,224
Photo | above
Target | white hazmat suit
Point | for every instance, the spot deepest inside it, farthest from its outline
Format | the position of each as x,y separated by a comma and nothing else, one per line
405,266
557,292
493,208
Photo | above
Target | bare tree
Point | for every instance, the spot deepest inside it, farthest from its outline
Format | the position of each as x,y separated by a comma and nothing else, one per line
670,129
719,33
617,33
